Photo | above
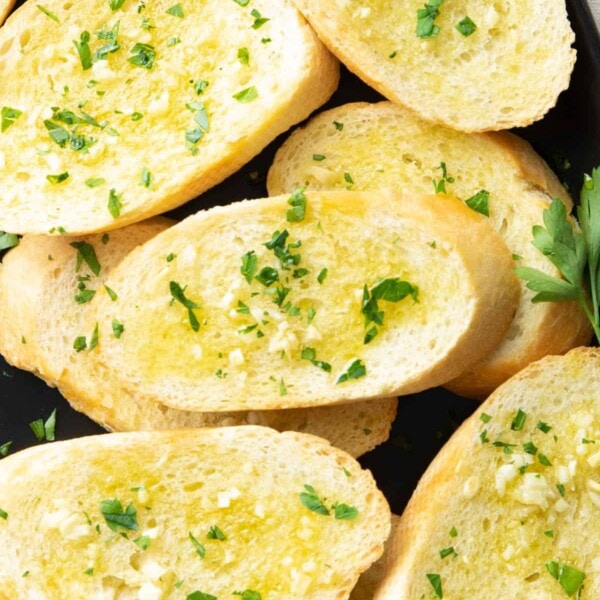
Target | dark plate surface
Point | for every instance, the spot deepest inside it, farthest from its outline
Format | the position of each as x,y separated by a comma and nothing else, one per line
570,132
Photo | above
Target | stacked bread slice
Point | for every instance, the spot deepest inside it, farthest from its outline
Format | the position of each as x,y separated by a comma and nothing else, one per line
384,145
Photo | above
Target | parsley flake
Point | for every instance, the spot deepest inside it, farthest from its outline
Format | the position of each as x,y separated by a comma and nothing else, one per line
87,254
178,294
47,13
143,55
436,583
480,202
570,578
356,370
9,116
175,11
200,549
118,518
246,95
298,203
466,27
311,500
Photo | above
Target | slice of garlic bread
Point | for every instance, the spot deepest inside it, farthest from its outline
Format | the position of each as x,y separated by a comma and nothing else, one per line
379,145
116,110
305,300
46,285
471,66
205,513
509,508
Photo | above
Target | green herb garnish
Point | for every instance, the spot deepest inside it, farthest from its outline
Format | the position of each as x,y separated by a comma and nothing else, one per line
247,94
118,518
47,12
8,240
569,578
518,421
143,55
480,202
356,370
200,549
215,533
436,583
311,500
83,49
178,294
176,11
87,254
9,116
466,27
426,27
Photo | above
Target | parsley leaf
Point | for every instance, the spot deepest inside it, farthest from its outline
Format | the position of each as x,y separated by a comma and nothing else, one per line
356,370
248,595
311,500
480,202
8,240
9,116
569,578
197,595
178,294
116,517
143,55
87,254
466,27
426,28
436,583
200,549
575,254
298,203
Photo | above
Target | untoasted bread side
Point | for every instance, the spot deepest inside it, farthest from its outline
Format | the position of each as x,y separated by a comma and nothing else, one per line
41,308
133,514
508,73
118,115
261,307
513,496
385,145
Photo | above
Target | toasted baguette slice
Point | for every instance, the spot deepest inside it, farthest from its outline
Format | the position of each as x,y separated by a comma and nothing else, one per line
248,485
508,73
41,309
518,486
385,145
5,7
177,96
263,305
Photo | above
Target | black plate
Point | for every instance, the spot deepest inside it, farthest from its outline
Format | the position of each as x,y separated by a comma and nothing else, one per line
570,132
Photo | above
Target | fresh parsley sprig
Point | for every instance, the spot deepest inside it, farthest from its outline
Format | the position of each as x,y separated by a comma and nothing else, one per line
575,253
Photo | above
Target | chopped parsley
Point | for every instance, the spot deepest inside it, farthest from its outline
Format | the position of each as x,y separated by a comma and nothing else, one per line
200,596
93,182
146,178
143,55
259,20
447,552
344,512
3,514
8,240
243,56
47,12
356,370
440,186
467,27
543,427
58,178
80,343
4,448
44,430
194,135
426,27
248,595
115,4
176,11
9,116
322,275
118,518
83,49
117,328
111,293
480,202
298,203
310,354
318,157
436,583
390,290
215,533
570,578
87,254
200,86
178,294
114,203
485,417
519,421
143,542
246,95
200,549
249,265
311,500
